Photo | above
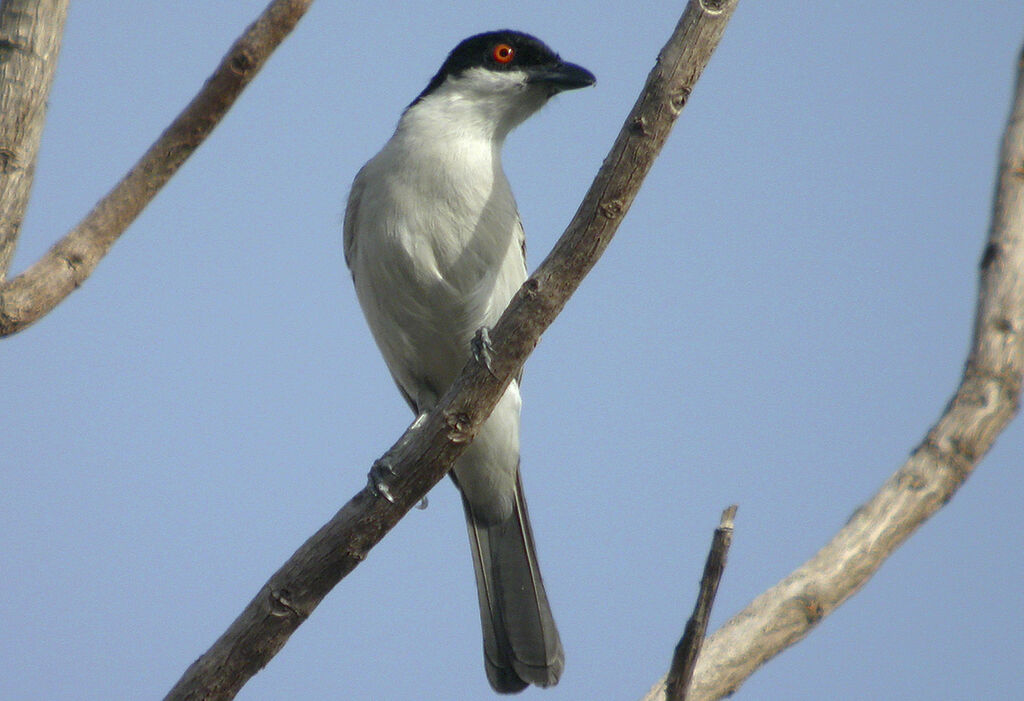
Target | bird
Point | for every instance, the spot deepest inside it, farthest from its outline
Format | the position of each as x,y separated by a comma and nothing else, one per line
436,249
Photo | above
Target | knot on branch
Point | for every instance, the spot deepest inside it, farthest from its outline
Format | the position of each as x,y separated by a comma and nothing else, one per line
281,604
912,480
8,321
678,97
74,262
955,454
988,387
810,607
8,46
1003,325
712,7
459,426
356,554
176,153
8,161
638,126
612,209
241,62
991,254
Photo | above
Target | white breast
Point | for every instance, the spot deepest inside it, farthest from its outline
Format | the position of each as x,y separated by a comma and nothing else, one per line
434,244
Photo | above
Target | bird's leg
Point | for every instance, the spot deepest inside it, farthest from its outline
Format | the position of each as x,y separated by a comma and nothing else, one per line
481,346
382,469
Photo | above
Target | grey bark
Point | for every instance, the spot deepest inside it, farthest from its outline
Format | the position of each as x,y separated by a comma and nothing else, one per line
30,36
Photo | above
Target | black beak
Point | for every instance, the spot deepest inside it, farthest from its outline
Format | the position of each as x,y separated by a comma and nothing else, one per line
562,76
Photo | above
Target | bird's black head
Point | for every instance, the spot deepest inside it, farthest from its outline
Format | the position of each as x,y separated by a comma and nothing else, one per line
507,51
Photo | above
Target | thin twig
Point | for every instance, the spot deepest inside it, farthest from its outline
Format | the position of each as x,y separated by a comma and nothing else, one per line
688,650
35,292
421,457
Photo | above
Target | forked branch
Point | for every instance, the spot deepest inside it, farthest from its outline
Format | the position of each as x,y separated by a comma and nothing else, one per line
983,405
35,292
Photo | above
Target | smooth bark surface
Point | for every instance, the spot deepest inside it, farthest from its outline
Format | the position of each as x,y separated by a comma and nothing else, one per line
983,405
30,36
424,455
27,297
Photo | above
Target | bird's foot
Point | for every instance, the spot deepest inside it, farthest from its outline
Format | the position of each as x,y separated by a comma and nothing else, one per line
481,346
382,472
421,418
377,480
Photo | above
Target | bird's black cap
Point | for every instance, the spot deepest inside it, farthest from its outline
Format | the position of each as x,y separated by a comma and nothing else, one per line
507,50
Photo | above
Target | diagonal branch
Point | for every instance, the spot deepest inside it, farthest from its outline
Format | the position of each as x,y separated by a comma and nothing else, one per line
982,407
30,36
424,454
35,292
684,661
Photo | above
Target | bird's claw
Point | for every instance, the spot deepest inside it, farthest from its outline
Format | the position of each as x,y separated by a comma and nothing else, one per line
481,345
377,479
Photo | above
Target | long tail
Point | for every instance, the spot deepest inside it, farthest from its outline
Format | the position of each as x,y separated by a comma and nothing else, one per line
521,643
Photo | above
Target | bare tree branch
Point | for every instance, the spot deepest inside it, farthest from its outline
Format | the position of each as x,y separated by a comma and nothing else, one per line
684,661
983,405
30,36
32,294
422,456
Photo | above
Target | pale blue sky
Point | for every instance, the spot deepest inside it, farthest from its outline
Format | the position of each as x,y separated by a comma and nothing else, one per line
785,311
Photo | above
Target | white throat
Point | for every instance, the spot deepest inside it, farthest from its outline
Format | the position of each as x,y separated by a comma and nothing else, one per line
479,104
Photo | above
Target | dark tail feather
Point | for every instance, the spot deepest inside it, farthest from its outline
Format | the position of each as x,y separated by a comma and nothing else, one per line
521,643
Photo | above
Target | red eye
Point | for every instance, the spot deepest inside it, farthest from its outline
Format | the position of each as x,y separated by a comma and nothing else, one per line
503,53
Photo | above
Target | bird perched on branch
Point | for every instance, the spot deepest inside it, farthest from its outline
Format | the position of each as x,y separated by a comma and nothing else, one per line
436,249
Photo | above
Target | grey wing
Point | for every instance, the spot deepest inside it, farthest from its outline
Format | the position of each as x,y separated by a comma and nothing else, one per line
350,241
522,247
352,219
522,240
